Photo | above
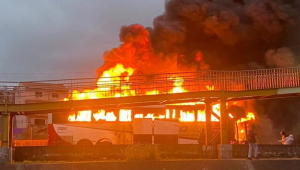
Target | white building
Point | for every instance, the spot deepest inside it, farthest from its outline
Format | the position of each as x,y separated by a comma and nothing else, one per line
36,92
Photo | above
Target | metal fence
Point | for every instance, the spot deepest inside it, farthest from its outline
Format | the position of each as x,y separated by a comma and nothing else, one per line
137,85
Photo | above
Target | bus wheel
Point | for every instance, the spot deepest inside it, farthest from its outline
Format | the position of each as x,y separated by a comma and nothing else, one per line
84,142
103,142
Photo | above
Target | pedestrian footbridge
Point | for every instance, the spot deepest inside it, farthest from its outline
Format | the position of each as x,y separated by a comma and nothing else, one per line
139,90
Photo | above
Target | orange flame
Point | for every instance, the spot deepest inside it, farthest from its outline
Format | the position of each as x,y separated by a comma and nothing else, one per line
82,116
201,116
150,115
110,116
100,115
178,82
210,87
241,134
125,115
187,116
109,80
140,115
250,116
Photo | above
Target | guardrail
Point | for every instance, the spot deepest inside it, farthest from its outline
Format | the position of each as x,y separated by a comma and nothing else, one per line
137,85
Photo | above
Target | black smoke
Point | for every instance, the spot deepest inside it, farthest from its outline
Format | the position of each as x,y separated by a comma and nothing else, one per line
234,35
218,35
230,34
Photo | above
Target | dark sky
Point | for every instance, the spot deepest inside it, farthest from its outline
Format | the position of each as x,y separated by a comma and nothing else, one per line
42,39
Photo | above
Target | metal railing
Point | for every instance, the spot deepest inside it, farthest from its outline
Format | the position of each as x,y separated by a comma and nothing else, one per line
137,85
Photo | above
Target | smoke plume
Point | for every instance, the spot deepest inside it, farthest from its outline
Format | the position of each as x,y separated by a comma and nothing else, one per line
280,58
220,35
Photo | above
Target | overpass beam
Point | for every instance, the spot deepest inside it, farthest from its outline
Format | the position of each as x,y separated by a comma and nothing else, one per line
223,122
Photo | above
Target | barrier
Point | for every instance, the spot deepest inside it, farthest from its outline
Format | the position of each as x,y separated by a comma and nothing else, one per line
267,151
291,164
115,152
101,152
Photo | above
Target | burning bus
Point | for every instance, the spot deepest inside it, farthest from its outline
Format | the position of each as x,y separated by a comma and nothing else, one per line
118,126
155,124
126,126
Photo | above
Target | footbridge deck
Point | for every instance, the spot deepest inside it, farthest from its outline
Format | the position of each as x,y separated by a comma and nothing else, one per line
138,90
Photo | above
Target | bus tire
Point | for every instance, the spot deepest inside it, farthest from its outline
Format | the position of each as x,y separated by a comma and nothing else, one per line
84,142
103,142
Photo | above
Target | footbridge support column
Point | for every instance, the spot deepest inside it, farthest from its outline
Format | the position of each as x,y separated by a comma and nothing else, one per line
224,149
223,122
208,129
5,150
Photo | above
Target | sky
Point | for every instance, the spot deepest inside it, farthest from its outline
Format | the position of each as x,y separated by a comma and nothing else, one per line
64,39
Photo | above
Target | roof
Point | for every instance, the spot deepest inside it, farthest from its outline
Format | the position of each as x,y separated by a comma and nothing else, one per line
43,86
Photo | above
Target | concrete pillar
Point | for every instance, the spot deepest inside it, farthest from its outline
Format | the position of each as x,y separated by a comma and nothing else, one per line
224,149
223,122
208,132
5,155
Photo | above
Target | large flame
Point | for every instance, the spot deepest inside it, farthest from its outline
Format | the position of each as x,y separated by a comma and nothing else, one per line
110,80
125,115
178,82
115,82
82,116
242,126
250,116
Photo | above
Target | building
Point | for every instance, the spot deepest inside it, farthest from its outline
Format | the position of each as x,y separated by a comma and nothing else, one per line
36,92
7,95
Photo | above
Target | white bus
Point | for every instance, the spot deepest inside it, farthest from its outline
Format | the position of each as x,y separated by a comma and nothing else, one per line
159,125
